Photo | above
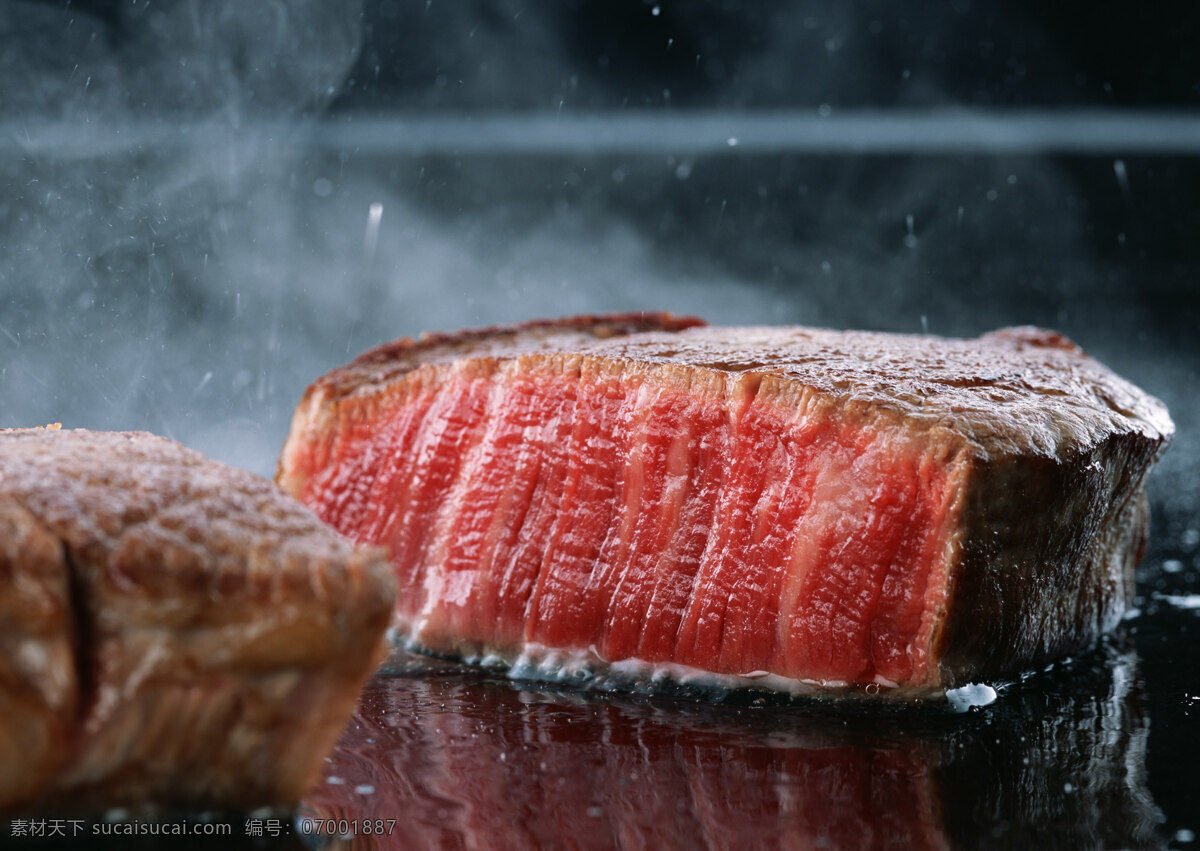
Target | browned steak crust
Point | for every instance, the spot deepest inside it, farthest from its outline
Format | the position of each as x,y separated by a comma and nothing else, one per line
391,360
173,631
1045,450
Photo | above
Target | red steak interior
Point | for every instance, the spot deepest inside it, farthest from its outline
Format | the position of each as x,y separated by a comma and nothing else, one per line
706,521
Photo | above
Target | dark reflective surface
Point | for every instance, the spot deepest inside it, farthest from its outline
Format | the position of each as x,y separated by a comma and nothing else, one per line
1092,753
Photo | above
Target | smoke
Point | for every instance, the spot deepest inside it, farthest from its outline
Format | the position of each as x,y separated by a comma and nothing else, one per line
195,271
137,293
179,252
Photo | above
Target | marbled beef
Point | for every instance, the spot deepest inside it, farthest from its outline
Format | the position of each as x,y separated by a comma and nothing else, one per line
782,506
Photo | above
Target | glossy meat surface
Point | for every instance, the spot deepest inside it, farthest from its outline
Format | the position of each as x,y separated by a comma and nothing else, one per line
176,632
780,506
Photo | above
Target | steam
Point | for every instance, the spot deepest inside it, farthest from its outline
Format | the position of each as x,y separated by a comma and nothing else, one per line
137,291
192,278
181,252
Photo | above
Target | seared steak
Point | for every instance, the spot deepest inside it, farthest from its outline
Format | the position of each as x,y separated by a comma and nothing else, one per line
789,507
173,631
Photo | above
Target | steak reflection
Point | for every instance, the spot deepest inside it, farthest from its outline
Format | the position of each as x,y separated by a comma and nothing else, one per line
455,757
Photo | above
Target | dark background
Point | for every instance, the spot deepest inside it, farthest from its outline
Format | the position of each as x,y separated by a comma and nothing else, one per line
878,54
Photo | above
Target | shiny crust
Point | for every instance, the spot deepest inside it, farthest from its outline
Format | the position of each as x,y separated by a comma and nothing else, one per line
1014,391
391,360
1048,450
205,636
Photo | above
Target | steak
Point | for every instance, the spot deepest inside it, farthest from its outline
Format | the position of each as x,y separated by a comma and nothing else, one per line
173,632
783,507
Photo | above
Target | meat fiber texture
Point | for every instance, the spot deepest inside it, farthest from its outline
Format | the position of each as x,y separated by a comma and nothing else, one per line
781,507
174,633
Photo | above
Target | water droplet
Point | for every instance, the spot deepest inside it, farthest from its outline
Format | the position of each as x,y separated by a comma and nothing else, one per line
824,110
1182,601
322,187
371,234
1184,835
973,694
656,11
1122,176
365,789
335,781
1172,565
732,141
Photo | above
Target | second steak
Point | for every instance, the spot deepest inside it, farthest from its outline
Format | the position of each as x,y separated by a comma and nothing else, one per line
174,632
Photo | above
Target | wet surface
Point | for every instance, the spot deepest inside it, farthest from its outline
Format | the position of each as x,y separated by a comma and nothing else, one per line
1095,752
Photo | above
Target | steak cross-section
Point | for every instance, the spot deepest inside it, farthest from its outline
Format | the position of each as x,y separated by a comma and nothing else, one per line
781,506
174,633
